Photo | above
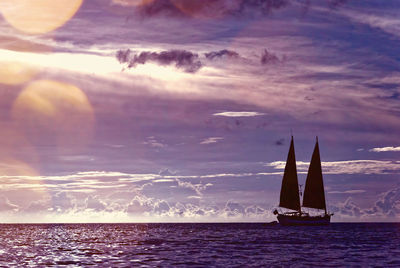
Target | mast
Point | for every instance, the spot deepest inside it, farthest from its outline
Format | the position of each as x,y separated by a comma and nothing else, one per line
290,188
314,193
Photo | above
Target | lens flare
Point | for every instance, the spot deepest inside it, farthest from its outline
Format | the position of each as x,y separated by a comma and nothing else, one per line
39,16
14,69
17,155
122,7
13,167
15,73
18,44
54,113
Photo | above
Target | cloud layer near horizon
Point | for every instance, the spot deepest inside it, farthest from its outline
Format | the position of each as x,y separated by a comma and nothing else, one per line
113,196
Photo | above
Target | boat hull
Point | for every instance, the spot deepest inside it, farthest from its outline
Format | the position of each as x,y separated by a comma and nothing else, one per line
300,220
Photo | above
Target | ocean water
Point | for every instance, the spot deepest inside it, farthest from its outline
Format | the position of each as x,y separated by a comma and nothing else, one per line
200,245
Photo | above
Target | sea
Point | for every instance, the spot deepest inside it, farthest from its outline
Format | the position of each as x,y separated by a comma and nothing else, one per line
199,245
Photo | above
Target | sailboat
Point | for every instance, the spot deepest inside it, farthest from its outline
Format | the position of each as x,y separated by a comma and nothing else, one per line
314,194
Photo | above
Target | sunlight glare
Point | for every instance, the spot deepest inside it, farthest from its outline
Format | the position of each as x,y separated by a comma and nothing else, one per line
13,167
16,154
39,16
54,112
15,73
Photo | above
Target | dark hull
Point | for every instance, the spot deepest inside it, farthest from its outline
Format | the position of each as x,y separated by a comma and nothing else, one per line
298,220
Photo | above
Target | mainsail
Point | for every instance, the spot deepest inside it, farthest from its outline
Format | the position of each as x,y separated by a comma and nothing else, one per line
314,195
290,188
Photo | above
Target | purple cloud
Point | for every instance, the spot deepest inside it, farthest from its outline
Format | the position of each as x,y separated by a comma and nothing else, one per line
182,59
210,8
222,53
269,58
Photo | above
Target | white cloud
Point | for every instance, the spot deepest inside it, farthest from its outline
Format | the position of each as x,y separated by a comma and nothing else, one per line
386,207
154,143
347,167
387,22
95,203
385,149
211,140
166,172
238,114
198,188
347,192
6,205
140,205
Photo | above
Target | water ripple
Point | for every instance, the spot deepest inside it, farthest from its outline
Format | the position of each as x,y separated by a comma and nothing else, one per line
199,245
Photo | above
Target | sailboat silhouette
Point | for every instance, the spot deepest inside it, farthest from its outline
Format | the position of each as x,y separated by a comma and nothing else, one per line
314,194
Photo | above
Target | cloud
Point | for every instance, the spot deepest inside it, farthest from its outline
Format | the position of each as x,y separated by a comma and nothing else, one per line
211,140
123,56
385,21
269,58
161,207
198,188
347,167
166,172
154,143
388,203
238,114
188,61
347,192
237,210
140,205
386,207
280,142
210,8
95,203
62,201
222,53
385,149
233,209
348,208
337,3
6,205
38,206
181,59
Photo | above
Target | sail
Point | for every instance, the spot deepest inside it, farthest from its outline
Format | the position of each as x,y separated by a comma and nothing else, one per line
314,195
290,188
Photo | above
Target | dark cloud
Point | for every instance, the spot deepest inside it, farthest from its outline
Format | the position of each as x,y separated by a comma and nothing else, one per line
280,142
222,53
210,8
159,7
336,3
269,58
123,55
214,8
186,60
182,59
265,6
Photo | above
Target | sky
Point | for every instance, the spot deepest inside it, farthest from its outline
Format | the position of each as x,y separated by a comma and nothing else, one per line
182,111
